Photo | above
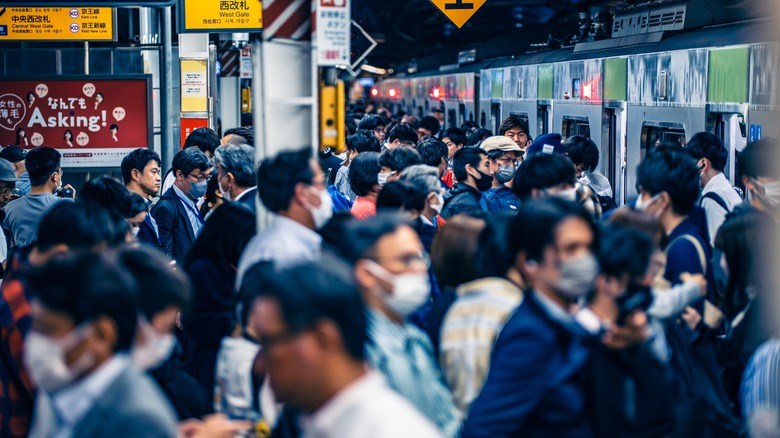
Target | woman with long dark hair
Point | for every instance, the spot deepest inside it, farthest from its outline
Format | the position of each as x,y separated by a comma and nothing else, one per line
211,265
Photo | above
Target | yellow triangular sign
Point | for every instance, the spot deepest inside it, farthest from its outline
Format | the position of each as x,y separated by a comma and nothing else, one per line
458,11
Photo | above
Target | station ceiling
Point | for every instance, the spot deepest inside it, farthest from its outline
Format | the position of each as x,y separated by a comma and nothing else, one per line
416,29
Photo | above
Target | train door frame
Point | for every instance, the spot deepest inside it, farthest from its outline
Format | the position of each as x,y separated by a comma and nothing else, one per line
723,121
544,116
495,115
614,144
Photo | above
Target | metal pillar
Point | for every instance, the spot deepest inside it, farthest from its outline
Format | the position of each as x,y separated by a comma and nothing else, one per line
167,121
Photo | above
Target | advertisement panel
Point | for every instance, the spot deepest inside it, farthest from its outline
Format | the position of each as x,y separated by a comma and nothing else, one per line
93,121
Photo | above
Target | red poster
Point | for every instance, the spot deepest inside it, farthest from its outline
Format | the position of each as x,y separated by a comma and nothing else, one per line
93,122
189,125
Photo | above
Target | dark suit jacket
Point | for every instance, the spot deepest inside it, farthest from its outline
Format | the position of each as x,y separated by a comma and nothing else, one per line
131,406
535,386
176,234
147,235
248,200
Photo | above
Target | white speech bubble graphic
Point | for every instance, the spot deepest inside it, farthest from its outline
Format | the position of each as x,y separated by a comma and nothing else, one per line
82,139
118,113
41,90
36,139
13,111
88,89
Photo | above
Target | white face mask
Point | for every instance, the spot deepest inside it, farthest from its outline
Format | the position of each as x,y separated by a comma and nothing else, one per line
322,214
771,193
135,230
382,177
578,276
225,193
156,349
410,291
437,207
642,205
45,358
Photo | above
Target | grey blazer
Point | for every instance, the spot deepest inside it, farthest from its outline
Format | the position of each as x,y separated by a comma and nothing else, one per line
133,406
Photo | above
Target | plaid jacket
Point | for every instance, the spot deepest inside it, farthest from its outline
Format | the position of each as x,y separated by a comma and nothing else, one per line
16,391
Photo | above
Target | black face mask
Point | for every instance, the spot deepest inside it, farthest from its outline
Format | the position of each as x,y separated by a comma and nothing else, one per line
485,181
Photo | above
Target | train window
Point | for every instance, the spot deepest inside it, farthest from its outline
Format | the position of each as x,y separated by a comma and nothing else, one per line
462,112
575,88
542,117
573,125
654,135
452,118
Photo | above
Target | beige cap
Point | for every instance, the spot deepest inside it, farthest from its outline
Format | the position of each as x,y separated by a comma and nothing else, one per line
500,143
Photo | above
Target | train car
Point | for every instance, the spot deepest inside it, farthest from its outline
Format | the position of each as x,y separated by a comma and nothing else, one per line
633,91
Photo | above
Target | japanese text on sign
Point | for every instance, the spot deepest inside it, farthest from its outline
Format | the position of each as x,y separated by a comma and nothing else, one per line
222,15
333,32
69,24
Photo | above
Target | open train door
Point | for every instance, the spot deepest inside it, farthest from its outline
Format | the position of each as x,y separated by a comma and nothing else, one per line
613,148
727,121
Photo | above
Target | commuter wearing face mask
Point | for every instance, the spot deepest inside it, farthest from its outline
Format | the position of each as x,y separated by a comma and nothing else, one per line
503,154
394,160
163,293
392,272
545,175
535,386
178,219
471,168
292,186
85,313
237,179
761,177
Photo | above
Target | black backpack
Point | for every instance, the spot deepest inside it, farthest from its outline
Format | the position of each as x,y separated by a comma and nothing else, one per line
607,203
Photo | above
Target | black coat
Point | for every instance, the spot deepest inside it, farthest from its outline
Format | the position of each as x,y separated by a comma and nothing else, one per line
187,396
461,199
176,233
248,200
147,235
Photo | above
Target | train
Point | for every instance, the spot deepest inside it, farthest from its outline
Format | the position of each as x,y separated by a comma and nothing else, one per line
655,79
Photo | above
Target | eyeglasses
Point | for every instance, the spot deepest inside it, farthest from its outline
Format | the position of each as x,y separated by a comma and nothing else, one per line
507,161
202,177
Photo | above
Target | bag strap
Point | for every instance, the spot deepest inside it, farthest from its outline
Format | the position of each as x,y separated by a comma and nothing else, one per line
715,197
699,250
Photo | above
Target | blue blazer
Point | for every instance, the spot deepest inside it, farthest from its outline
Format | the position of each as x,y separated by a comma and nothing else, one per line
248,200
176,234
536,383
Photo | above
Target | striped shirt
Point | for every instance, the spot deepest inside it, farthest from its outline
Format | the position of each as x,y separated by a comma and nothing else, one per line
404,355
760,391
468,332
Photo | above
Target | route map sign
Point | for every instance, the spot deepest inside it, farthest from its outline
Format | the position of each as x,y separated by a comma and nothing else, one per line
57,24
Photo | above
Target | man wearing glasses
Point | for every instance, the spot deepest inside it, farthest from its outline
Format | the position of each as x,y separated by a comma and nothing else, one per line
504,155
391,270
178,219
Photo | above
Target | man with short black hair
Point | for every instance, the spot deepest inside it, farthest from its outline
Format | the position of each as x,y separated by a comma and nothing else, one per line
393,161
205,140
141,175
16,155
361,141
471,168
401,135
292,186
375,124
434,153
429,127
236,174
312,329
364,182
718,197
455,140
23,215
503,154
584,153
177,214
85,314
238,136
384,250
516,129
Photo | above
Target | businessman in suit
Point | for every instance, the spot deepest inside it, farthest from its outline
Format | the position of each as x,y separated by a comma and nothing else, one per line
177,214
236,173
85,306
141,175
536,384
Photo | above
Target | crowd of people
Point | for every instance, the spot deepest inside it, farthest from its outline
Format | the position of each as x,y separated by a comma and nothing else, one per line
425,283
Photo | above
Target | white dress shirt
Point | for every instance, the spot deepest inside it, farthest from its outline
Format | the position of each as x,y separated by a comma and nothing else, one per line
367,408
716,215
284,243
241,195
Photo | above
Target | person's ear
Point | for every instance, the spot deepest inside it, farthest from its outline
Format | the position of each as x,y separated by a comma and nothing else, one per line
300,193
665,200
364,278
105,337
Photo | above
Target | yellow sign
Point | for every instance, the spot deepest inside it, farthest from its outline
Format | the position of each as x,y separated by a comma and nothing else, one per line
222,15
60,24
194,85
458,11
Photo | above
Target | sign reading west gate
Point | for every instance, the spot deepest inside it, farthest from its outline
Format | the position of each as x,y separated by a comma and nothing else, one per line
56,24
201,16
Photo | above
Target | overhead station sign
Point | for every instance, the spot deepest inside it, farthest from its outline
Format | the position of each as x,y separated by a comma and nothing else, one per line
201,16
458,11
57,24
